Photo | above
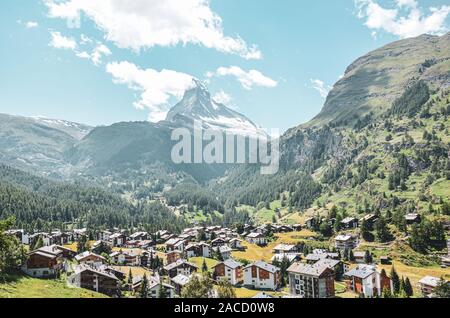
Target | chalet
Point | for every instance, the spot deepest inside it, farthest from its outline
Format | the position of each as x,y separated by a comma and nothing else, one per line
104,235
97,246
154,286
367,281
412,218
256,238
181,266
290,257
218,242
187,237
175,244
284,248
281,228
45,262
173,256
359,257
90,258
261,275
337,266
310,223
319,254
96,280
126,258
139,236
236,244
346,242
427,285
349,223
370,219
179,282
385,260
118,239
197,250
78,234
225,252
19,234
229,270
311,281
67,253
248,228
62,238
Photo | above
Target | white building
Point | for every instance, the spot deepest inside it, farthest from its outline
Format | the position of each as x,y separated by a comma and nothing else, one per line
256,238
261,275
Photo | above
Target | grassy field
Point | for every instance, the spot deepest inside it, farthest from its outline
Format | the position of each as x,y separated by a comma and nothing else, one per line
199,262
256,253
416,273
26,287
135,271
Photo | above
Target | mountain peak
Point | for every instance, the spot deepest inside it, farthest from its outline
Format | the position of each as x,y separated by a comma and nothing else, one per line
198,105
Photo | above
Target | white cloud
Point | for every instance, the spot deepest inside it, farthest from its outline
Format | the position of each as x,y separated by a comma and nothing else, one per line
321,87
142,24
405,19
246,79
95,56
99,51
61,42
31,25
156,88
222,98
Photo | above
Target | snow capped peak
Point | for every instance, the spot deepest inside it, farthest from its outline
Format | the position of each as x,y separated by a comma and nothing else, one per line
76,130
198,105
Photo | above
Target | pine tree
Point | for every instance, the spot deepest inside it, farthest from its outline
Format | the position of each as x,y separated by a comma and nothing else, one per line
368,258
408,288
143,293
365,231
204,266
395,281
162,291
130,277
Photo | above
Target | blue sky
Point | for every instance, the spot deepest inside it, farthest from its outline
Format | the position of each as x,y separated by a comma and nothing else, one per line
273,61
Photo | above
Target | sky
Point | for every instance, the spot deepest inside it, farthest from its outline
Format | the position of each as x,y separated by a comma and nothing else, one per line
104,61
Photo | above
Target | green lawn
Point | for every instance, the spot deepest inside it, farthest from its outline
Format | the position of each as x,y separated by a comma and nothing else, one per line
19,286
199,262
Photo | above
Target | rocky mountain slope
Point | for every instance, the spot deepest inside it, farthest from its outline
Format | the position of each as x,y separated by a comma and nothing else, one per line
374,81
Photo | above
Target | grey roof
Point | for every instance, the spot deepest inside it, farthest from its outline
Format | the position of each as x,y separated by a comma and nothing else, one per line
349,219
255,235
306,269
181,279
284,247
430,281
359,254
82,268
225,249
178,263
86,254
331,263
266,266
231,263
362,271
289,256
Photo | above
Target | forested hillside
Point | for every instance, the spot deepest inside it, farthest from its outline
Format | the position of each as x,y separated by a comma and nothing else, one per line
40,204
